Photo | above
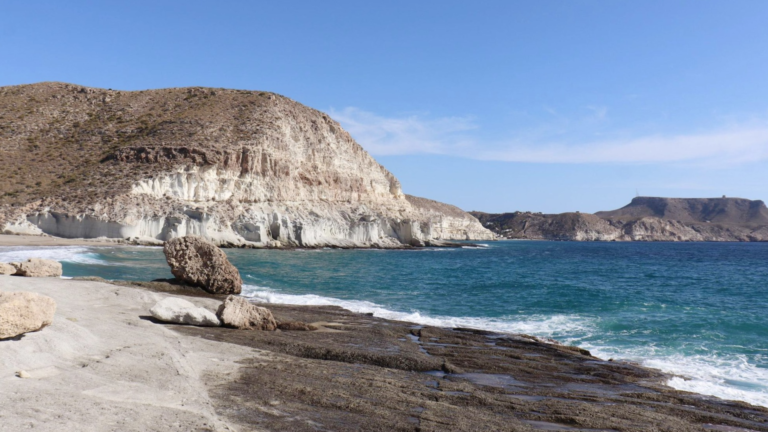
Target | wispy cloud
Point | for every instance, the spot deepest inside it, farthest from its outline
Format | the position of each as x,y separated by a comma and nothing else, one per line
405,135
380,135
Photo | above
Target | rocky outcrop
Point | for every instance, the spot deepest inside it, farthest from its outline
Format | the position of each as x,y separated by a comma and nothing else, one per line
198,262
24,312
644,219
180,311
239,313
38,267
6,269
239,168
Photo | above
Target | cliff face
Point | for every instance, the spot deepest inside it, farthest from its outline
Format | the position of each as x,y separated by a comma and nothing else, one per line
237,167
644,219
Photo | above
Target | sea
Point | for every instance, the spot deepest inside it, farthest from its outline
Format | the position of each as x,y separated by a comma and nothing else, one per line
695,310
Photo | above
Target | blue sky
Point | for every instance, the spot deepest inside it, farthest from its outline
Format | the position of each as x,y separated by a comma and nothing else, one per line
495,105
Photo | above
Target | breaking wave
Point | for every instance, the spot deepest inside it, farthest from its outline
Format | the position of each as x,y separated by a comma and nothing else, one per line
73,254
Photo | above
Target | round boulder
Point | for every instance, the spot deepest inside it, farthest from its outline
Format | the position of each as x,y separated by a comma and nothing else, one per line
196,261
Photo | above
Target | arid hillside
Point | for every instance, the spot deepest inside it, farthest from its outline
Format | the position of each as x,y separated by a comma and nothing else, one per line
644,219
233,165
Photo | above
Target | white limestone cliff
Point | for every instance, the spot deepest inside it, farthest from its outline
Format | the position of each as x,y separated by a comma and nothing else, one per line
273,174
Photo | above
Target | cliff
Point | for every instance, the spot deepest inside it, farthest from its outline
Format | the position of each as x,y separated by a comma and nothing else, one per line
644,219
241,168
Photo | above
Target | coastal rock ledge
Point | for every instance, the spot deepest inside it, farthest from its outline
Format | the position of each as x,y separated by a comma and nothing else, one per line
239,168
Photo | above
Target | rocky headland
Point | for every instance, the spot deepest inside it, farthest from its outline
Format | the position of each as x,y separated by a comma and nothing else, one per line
644,219
240,168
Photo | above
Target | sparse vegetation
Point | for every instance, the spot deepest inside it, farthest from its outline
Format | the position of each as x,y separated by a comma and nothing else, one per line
58,137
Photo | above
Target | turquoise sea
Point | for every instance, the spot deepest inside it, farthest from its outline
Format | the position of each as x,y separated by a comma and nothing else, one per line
698,310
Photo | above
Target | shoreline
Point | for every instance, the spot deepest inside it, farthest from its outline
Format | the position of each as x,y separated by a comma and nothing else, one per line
113,359
46,240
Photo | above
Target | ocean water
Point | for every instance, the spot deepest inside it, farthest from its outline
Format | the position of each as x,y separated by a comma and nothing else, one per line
698,310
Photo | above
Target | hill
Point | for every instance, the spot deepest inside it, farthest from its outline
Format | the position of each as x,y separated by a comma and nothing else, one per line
643,219
726,211
239,167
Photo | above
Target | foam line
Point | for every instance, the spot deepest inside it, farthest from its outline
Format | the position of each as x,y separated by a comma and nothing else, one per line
74,254
733,379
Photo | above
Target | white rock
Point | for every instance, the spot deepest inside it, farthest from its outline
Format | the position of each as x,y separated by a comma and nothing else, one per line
23,312
296,180
239,313
180,311
38,267
7,269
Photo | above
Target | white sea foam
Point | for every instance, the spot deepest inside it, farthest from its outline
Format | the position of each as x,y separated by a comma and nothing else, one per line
727,377
734,379
75,254
536,325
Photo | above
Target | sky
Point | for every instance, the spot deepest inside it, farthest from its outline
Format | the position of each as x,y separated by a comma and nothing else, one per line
496,106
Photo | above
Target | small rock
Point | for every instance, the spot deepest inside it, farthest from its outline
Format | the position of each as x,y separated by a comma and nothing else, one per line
23,312
239,313
23,374
180,311
7,269
198,262
37,267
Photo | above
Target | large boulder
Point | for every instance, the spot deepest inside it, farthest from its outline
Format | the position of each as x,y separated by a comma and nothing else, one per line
198,262
7,269
23,312
180,311
239,313
38,267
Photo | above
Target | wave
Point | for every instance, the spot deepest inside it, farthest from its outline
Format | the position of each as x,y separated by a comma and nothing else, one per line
730,377
73,254
535,325
727,378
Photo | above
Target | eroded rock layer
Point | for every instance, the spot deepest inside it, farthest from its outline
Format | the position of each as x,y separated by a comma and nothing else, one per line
237,167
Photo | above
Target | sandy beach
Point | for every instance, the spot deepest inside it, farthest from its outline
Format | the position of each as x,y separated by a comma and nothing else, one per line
105,365
31,240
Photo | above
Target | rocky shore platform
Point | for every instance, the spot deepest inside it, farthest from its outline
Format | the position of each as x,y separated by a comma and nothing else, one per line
105,364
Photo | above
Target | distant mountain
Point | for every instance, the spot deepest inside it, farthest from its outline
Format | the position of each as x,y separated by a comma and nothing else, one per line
729,211
644,219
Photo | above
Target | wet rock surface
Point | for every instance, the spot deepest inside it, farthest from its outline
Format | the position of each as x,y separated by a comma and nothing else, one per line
357,372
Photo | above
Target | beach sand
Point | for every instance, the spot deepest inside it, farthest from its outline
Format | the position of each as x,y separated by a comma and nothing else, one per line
104,365
31,240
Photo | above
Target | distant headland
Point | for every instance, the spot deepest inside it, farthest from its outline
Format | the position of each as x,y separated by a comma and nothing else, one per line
643,219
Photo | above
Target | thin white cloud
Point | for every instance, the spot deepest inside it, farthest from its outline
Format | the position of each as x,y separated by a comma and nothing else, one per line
732,146
453,136
404,135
